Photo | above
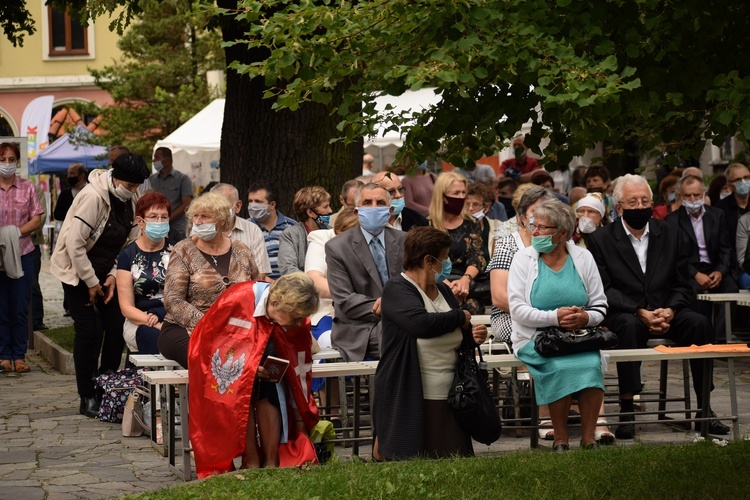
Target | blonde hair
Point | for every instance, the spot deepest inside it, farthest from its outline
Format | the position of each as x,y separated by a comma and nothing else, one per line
347,219
295,293
215,204
442,183
518,194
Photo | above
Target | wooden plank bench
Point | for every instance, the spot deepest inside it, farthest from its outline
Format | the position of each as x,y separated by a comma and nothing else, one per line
727,299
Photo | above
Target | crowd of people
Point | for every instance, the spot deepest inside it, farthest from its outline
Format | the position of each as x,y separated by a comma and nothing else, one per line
394,275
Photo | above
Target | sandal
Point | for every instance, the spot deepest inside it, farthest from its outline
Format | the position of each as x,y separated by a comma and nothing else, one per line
22,366
545,430
603,437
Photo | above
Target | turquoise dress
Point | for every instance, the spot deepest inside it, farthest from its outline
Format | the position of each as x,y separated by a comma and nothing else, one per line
555,378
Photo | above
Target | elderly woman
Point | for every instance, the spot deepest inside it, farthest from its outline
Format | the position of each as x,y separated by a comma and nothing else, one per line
555,283
312,205
97,226
200,269
423,327
240,404
141,271
20,215
590,212
669,196
447,213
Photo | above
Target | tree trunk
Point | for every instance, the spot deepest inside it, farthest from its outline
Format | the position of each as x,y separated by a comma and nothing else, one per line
288,149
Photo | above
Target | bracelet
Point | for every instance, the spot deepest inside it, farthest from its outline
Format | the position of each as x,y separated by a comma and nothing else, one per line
469,276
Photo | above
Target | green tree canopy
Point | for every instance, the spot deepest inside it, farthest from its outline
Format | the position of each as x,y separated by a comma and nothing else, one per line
159,83
670,74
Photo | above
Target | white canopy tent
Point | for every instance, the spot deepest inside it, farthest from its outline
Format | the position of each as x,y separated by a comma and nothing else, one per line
195,145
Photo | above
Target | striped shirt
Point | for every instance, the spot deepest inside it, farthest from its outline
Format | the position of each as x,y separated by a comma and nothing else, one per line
18,204
272,241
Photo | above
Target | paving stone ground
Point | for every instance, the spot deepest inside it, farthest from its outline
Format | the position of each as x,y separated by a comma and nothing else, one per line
49,451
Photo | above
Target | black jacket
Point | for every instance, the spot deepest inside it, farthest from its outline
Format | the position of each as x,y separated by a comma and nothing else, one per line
716,234
411,218
666,282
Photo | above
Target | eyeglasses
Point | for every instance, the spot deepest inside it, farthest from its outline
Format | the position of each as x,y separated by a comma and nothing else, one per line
392,192
636,203
533,227
156,218
737,180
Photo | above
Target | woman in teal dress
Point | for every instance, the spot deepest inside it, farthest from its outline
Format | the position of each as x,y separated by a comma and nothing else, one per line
555,283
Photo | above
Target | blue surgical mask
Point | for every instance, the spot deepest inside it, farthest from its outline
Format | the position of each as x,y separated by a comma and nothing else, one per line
694,207
373,219
398,205
156,231
742,187
322,220
670,197
446,266
205,231
543,244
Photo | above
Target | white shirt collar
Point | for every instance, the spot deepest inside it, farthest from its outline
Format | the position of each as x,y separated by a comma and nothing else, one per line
627,231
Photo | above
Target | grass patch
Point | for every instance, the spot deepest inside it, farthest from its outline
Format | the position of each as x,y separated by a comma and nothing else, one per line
701,470
62,336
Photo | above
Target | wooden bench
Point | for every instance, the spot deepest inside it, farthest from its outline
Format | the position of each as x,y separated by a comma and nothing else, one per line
727,299
174,381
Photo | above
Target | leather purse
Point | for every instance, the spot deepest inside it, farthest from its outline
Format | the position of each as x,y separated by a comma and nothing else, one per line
555,341
470,397
133,422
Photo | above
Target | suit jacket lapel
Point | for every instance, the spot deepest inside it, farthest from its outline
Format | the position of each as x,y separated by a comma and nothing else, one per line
625,247
687,225
361,249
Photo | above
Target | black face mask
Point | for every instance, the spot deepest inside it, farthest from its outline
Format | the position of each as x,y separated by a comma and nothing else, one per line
72,181
595,190
637,218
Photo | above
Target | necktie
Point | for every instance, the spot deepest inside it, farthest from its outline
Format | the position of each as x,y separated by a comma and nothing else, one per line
378,254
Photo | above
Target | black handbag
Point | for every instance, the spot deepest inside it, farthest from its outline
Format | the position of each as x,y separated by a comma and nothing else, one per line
471,400
555,341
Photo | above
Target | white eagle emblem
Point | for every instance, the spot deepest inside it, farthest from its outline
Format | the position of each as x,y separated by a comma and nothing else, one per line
226,373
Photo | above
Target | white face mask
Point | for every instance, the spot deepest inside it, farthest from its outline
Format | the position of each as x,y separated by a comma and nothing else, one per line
479,215
158,166
586,225
205,231
8,169
123,193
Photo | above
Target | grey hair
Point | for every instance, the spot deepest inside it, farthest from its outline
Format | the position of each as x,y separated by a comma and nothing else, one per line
531,196
370,185
228,190
557,214
688,179
732,168
630,180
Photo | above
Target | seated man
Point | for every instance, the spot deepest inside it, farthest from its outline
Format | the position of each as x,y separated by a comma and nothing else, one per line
645,277
705,238
402,217
312,206
245,231
346,198
360,262
262,208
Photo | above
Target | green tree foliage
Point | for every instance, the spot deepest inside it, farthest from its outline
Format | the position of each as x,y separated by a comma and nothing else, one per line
16,21
160,81
669,74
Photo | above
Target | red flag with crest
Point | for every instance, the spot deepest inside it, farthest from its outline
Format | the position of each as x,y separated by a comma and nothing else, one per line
225,351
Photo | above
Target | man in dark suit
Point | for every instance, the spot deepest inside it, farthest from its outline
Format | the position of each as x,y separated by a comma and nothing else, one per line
402,217
360,262
645,277
706,239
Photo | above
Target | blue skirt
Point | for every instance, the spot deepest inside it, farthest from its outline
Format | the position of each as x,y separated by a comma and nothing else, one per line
555,378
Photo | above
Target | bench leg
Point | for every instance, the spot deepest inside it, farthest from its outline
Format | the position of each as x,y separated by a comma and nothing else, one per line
343,407
707,379
733,400
184,422
170,427
356,409
663,377
534,415
686,390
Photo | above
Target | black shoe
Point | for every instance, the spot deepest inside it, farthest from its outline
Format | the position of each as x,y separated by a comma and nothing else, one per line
89,407
714,426
66,313
561,448
625,430
39,327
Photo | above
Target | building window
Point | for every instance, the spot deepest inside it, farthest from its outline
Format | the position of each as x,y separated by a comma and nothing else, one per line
67,36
